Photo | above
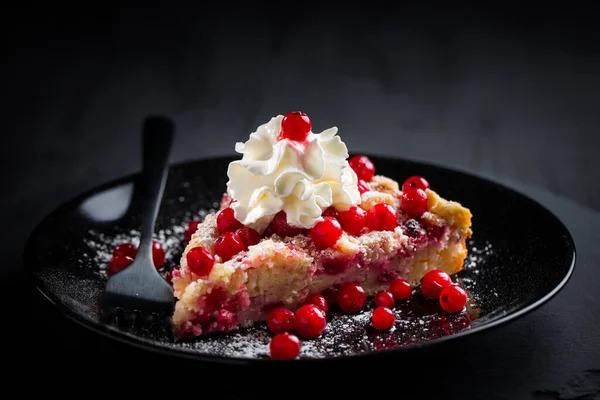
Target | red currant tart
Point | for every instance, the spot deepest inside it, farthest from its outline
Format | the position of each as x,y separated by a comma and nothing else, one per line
303,227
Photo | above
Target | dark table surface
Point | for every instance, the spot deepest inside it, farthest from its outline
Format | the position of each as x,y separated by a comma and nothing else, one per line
508,93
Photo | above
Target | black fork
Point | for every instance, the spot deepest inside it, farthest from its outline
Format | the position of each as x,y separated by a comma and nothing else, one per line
140,288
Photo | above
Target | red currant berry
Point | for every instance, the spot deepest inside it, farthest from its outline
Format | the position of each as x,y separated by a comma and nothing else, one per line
125,249
226,221
382,217
249,237
415,182
280,320
326,233
354,220
190,230
158,254
319,301
384,299
228,245
295,126
433,282
383,318
200,261
363,167
280,226
284,347
414,202
331,212
351,297
363,187
401,289
309,321
117,264
453,298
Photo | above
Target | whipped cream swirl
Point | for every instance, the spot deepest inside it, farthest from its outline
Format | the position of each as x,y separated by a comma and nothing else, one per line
300,178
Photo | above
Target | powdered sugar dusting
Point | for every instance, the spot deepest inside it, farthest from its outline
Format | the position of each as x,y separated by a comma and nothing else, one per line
101,245
417,320
477,255
345,334
248,343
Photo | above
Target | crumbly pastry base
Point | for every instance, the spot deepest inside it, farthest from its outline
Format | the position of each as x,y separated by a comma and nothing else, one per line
284,271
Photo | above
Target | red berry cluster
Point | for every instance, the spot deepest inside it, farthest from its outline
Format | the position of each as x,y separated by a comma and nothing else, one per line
233,238
355,220
435,284
124,254
309,321
381,217
383,317
438,285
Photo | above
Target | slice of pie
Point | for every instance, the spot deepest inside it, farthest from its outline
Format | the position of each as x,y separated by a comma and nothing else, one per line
298,218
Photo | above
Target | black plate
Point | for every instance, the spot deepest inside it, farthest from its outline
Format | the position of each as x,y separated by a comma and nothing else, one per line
520,256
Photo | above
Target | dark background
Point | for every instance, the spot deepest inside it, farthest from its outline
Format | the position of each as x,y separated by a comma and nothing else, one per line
510,91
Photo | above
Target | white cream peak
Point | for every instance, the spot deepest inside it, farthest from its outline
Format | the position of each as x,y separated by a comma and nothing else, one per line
300,178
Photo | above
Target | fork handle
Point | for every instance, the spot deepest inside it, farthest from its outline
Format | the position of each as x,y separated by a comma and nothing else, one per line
157,137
